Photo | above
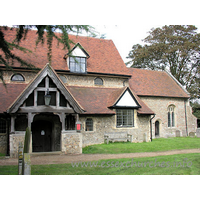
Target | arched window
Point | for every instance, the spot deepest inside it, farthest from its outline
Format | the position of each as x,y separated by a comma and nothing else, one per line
157,128
17,77
2,126
171,116
89,124
98,81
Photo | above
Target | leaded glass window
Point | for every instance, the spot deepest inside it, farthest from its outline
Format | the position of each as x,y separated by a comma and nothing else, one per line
98,81
89,124
77,64
17,77
171,117
125,118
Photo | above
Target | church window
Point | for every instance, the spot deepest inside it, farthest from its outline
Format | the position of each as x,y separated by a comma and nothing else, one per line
77,64
17,77
89,124
171,116
98,81
125,118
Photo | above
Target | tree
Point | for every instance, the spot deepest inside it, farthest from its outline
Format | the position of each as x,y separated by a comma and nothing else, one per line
175,48
21,32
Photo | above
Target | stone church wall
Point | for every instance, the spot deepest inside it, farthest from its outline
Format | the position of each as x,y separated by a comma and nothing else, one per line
160,106
3,143
107,124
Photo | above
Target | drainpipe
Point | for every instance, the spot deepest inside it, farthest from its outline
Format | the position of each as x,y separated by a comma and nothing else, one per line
186,118
151,126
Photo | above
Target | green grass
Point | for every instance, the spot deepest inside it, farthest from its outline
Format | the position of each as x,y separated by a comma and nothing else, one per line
159,144
1,154
169,165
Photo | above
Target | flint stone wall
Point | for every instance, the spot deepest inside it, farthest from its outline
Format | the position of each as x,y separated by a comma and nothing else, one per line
14,143
71,142
3,143
160,105
107,124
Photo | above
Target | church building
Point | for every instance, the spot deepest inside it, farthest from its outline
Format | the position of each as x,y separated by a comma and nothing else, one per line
84,94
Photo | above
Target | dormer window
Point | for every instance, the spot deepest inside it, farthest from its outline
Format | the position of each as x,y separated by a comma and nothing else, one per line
77,59
77,64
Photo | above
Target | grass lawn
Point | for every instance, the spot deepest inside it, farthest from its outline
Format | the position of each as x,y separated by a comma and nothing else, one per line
159,144
2,154
182,164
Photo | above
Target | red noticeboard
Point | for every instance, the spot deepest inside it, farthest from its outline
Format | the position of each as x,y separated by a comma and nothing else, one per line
78,127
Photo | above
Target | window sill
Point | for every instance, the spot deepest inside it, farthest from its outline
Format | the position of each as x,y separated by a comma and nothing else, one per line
125,127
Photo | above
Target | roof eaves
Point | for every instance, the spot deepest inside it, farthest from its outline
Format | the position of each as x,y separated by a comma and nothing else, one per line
166,71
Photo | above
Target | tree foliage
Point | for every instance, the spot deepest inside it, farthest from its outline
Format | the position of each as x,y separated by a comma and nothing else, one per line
21,33
175,48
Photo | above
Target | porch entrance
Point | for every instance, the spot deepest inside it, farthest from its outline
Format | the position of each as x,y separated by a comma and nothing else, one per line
46,133
42,136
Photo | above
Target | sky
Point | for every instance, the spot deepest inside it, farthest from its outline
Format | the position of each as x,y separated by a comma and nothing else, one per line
124,38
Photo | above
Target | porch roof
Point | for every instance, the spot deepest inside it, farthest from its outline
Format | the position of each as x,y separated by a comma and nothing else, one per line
94,100
97,100
9,94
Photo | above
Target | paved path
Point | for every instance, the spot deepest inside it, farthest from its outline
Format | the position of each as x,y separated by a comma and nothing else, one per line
62,158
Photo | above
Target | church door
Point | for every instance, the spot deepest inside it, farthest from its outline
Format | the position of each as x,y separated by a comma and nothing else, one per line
41,136
157,128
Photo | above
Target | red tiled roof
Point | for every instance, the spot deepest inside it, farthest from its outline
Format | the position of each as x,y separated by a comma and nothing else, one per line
96,100
154,83
104,56
9,94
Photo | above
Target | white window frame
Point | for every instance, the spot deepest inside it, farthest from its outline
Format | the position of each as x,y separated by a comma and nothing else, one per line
124,118
79,66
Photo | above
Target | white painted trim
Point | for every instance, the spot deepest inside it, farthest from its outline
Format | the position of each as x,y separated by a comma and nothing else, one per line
126,100
78,52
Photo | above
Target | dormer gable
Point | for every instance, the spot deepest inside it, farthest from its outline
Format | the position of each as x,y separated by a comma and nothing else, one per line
126,100
77,59
78,51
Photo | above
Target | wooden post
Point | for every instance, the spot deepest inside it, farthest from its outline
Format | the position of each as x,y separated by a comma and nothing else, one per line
12,124
20,158
26,166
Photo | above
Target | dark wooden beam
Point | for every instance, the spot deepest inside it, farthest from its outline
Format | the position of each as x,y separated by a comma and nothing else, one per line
39,109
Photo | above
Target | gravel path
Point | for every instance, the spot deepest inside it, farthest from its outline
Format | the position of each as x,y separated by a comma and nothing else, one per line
63,158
